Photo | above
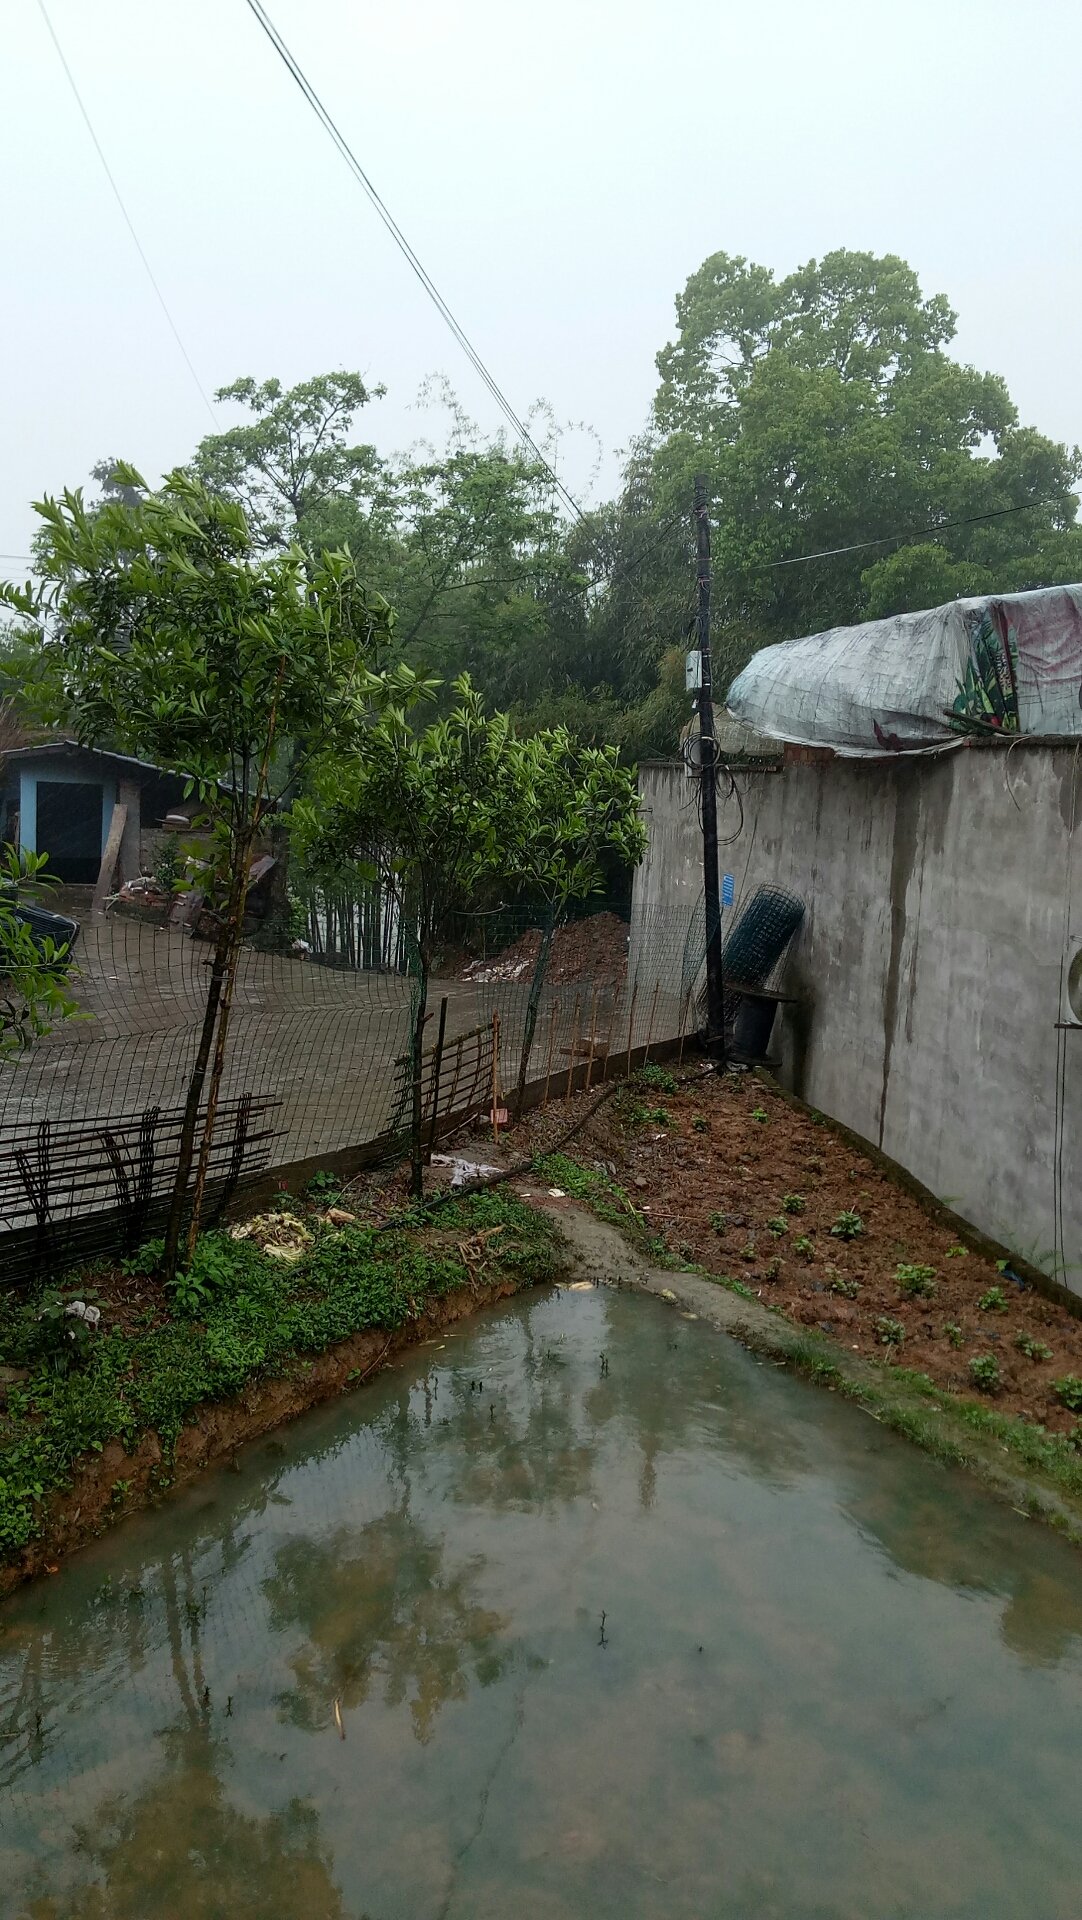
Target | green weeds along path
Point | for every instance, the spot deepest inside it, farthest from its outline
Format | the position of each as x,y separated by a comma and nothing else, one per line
73,1382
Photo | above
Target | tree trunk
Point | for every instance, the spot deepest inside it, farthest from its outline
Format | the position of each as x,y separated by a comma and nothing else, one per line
532,1005
228,985
186,1154
417,1153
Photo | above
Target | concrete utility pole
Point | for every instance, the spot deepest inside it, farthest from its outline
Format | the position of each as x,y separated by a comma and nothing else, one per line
708,792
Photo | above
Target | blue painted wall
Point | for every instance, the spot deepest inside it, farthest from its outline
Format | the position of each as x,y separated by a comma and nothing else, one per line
69,776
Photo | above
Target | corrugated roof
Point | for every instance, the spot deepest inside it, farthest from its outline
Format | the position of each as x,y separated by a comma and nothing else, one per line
53,747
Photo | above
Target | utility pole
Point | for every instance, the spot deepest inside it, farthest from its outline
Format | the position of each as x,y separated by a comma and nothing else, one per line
708,792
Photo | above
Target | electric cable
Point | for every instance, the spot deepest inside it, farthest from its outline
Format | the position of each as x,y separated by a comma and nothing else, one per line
908,533
297,73
127,217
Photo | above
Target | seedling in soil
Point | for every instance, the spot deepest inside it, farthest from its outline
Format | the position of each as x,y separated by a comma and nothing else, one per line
778,1225
793,1203
890,1332
760,1114
1068,1392
814,1163
772,1271
700,1124
323,1184
994,1301
658,1116
847,1288
915,1282
984,1373
718,1222
659,1078
954,1333
847,1226
957,1253
748,1252
1033,1349
804,1247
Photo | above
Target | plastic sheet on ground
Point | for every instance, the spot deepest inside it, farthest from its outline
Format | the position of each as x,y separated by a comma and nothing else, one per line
1002,664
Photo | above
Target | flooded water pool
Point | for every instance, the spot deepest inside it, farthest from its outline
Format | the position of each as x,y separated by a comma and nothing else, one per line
583,1612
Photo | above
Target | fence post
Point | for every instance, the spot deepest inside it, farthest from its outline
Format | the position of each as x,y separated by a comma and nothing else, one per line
650,1027
575,1025
548,1062
436,1072
496,1078
631,1020
593,1038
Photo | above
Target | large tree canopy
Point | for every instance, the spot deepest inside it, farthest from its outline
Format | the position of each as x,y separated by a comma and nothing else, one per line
827,412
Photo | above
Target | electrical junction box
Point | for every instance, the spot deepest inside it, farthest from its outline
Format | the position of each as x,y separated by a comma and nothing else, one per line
693,672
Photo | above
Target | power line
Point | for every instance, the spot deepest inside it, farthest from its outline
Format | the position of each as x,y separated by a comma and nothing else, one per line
393,228
127,217
909,533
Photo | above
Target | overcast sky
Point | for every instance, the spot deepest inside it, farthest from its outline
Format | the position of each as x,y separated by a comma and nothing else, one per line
560,168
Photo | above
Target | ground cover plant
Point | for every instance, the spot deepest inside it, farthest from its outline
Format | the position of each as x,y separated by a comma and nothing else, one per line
121,1355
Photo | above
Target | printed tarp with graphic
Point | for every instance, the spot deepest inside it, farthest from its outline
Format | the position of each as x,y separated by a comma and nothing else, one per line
1009,663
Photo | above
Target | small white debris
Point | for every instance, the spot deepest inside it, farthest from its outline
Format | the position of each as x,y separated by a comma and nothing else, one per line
463,1170
80,1311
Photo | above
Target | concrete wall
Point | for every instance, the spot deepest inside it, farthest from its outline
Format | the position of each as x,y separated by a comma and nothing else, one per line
944,906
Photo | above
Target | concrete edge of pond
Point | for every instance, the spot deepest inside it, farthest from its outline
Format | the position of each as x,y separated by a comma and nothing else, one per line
605,1254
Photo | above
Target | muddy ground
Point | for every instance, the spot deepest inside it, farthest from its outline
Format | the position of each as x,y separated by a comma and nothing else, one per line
731,1176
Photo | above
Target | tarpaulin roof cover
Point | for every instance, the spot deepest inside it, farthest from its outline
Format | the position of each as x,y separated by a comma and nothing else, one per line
1003,664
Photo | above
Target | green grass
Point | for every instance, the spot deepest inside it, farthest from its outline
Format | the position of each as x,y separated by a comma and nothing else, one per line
261,1317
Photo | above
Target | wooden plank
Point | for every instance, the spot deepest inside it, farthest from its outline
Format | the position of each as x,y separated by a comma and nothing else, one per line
110,857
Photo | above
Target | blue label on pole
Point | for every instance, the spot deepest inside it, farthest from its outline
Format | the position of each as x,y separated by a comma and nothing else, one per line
726,889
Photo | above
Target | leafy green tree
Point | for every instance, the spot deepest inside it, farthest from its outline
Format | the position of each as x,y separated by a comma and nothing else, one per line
574,807
159,629
465,541
827,412
292,467
437,815
34,973
420,812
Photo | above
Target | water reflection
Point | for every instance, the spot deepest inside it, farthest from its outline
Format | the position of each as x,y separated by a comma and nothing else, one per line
378,1607
1041,1618
836,1683
181,1848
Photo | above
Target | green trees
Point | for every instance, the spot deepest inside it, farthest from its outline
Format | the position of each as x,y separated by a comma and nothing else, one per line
573,808
291,467
828,413
464,541
437,814
158,630
33,974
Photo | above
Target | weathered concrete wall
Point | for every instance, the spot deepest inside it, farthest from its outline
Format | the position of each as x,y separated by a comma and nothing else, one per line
944,906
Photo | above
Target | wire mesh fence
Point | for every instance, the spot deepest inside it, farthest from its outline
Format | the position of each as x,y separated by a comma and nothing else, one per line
318,1059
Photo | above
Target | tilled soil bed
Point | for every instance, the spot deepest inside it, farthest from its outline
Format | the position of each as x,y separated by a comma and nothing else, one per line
728,1175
